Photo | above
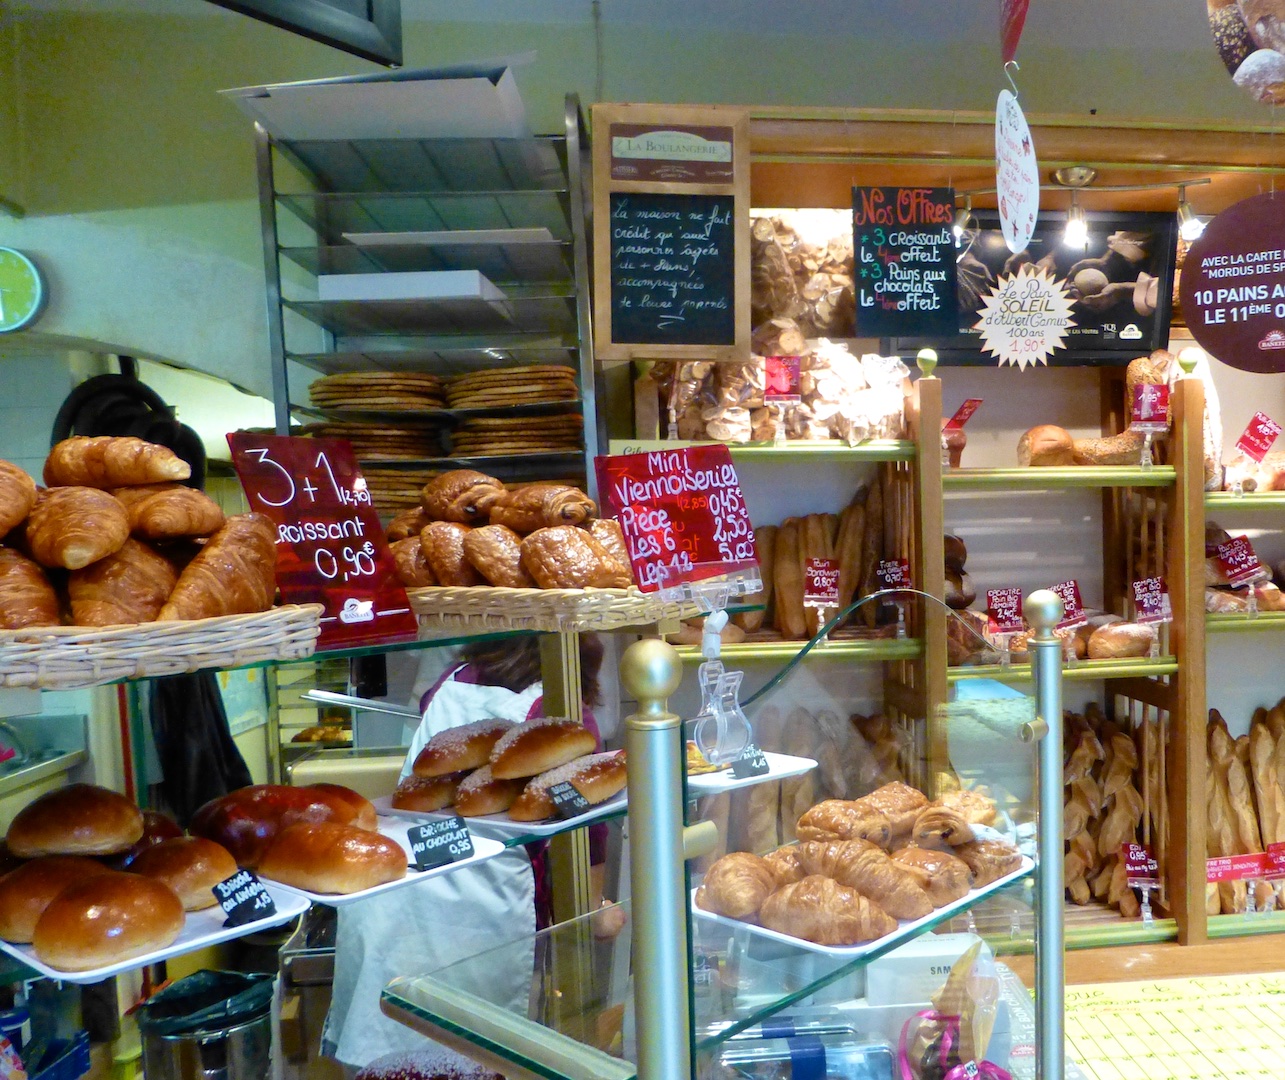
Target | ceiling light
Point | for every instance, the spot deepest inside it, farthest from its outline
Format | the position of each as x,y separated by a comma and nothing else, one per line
1076,233
962,217
1189,226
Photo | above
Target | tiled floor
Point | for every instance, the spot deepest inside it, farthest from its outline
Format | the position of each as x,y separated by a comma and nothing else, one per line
1211,1028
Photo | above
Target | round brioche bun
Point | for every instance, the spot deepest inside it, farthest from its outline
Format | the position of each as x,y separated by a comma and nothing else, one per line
80,819
538,746
351,807
596,776
28,890
460,749
426,793
156,827
480,793
327,857
190,865
106,919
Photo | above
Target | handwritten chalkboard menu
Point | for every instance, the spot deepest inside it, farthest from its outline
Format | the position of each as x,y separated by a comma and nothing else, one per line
671,269
905,260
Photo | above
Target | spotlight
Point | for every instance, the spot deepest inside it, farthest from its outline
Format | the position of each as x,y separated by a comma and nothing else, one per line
962,219
1189,226
1076,233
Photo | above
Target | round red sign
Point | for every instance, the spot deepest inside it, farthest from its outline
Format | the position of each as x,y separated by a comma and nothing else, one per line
1233,285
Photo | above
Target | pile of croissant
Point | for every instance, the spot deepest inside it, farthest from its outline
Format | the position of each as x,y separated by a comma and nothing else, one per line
115,537
471,530
859,866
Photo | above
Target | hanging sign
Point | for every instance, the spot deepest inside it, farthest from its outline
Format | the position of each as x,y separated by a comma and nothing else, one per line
905,261
1012,19
1238,561
1017,173
1025,319
331,548
1232,287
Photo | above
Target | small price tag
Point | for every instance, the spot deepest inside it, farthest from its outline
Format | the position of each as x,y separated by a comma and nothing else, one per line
1151,601
1275,862
244,899
964,413
821,583
753,762
437,843
1004,606
893,574
1237,867
1239,561
781,380
1072,606
1258,437
1140,865
569,802
1149,411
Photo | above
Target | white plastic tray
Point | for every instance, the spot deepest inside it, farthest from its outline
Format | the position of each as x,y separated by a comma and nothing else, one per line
906,929
503,826
396,829
200,929
779,767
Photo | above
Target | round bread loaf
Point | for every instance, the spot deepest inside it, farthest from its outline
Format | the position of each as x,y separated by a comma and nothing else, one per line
245,821
426,793
190,865
1121,639
1046,444
460,749
480,793
28,890
433,1064
156,827
351,807
326,857
107,919
596,776
80,819
538,746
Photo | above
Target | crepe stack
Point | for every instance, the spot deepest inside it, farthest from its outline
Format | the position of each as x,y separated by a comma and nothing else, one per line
497,387
373,442
392,490
494,436
378,391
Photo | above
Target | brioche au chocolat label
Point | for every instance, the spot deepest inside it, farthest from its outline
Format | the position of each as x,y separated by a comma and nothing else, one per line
437,843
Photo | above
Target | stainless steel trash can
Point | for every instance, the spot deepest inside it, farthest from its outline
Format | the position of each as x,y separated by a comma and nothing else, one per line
240,1052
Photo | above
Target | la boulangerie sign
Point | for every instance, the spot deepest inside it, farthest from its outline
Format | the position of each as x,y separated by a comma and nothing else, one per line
1025,318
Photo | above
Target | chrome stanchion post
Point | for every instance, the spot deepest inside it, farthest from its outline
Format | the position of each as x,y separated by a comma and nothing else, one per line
650,671
1043,610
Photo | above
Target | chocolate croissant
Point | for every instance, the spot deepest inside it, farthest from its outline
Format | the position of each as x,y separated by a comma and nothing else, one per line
540,506
989,860
842,819
461,495
443,546
176,514
495,551
26,596
407,524
17,496
72,527
736,885
411,564
900,802
939,826
128,586
862,866
109,461
943,876
608,533
564,557
819,909
233,574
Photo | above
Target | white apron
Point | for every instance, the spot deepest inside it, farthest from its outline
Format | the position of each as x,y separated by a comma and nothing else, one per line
424,927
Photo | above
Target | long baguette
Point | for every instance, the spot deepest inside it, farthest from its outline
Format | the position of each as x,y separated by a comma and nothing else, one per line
787,581
871,549
764,546
852,528
814,544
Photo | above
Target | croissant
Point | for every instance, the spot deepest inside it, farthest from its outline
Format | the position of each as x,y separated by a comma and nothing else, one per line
407,524
539,506
75,526
233,574
940,827
840,819
461,495
608,533
495,551
26,596
173,515
443,545
900,802
821,910
975,807
943,876
17,496
862,866
109,461
736,885
989,860
128,586
564,557
785,864
134,494
412,567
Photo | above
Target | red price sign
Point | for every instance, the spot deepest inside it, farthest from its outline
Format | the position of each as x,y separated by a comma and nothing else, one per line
1004,606
893,574
1258,437
964,413
681,511
330,546
821,583
1275,862
1239,562
1151,601
1150,409
1140,865
1072,606
781,379
1237,867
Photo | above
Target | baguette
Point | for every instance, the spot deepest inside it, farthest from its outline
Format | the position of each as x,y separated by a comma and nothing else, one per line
764,546
788,580
852,528
814,544
871,549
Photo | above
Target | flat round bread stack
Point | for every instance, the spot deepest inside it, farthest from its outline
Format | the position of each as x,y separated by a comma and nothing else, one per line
379,441
496,436
396,489
497,387
378,391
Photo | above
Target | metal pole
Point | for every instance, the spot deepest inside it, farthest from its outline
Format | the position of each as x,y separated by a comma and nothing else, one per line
1043,610
650,671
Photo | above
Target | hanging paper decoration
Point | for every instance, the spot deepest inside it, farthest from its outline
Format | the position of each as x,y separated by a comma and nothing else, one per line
1017,173
1025,319
1012,18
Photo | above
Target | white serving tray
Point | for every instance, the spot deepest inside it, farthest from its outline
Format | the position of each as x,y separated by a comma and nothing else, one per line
200,929
396,829
504,827
779,767
906,929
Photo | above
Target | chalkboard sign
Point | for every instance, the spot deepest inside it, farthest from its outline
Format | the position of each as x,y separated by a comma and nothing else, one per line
905,260
672,269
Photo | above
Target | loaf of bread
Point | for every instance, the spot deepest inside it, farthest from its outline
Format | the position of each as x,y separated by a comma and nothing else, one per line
28,890
108,461
1120,640
426,793
80,819
1046,444
327,857
71,527
597,777
105,920
787,580
481,793
190,865
537,746
1123,449
27,597
233,574
456,749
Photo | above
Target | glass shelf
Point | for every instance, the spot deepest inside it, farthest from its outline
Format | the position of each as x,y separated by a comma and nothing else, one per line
1253,500
1222,622
871,651
449,356
1058,479
502,264
1080,671
872,450
515,314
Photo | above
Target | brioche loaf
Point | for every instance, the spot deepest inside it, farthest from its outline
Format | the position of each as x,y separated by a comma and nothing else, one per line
156,828
467,746
597,777
1121,639
106,919
190,865
28,890
426,793
1046,444
80,819
327,857
538,746
480,793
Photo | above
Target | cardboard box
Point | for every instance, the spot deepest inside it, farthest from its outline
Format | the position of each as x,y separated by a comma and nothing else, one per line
917,970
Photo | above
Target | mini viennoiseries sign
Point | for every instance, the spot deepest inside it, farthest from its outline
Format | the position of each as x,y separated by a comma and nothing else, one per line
1025,319
331,548
905,261
1017,173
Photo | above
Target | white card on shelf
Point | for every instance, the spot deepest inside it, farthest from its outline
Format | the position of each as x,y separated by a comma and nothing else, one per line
503,826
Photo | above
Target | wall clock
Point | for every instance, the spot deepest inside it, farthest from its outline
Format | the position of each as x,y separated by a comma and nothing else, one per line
22,290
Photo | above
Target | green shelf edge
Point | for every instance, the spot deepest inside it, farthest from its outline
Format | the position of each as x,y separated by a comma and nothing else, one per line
1080,671
1254,500
1057,479
1243,925
872,651
873,450
1224,622
1131,932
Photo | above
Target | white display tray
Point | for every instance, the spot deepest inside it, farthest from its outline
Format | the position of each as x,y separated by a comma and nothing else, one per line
395,829
200,929
779,767
503,826
906,929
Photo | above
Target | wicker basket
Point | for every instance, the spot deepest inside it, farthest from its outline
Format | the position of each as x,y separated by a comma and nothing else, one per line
487,608
68,657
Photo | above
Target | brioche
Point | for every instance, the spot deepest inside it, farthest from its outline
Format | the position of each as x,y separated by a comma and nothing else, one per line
107,919
72,527
1121,639
426,793
349,807
233,574
174,514
17,496
129,586
597,777
28,890
467,746
480,793
108,461
537,746
80,819
326,857
156,828
27,598
1046,444
190,865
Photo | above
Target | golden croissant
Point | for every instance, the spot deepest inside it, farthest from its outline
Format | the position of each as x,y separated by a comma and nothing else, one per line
862,866
819,909
233,574
17,496
943,876
110,461
540,506
174,515
461,495
72,527
989,860
128,586
736,885
26,596
785,864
